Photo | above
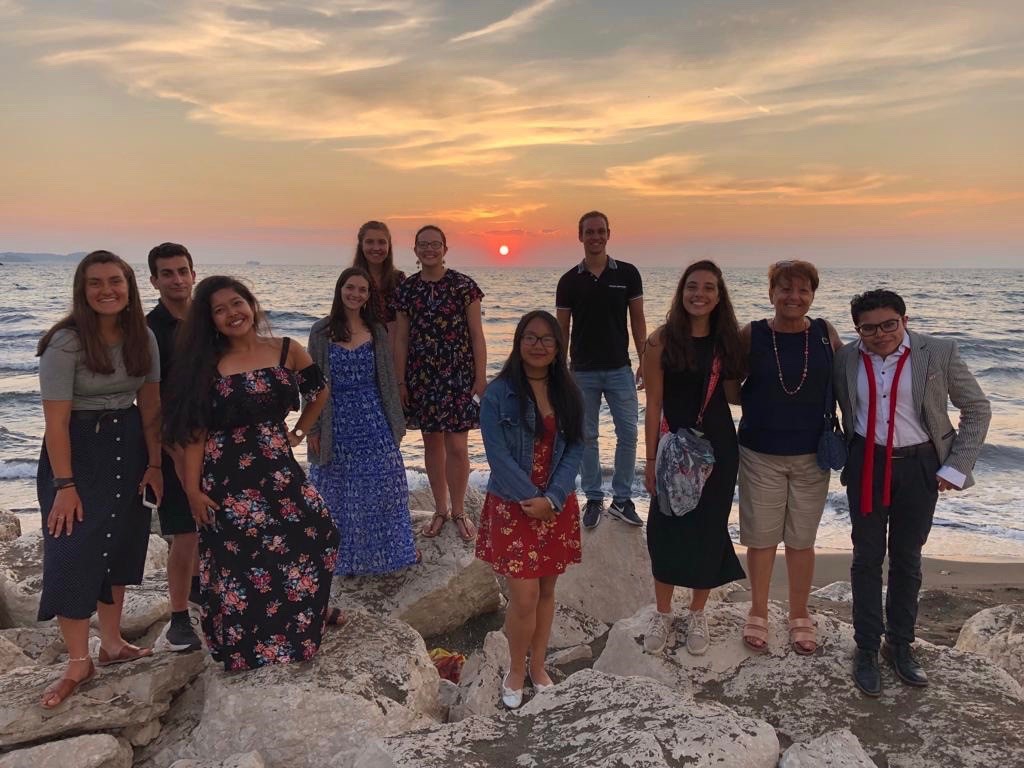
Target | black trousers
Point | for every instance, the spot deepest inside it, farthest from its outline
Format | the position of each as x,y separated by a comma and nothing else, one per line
903,528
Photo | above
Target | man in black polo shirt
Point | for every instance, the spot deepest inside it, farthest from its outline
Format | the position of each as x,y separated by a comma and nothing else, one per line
592,300
171,273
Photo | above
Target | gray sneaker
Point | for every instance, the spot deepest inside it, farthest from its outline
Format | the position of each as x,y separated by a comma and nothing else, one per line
660,633
592,513
181,636
697,637
625,511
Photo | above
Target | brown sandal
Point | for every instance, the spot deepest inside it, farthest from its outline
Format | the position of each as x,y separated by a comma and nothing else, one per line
62,689
803,632
756,628
127,652
467,531
431,529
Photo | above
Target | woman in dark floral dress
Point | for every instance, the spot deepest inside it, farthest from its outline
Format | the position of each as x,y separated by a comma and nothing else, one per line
267,545
441,362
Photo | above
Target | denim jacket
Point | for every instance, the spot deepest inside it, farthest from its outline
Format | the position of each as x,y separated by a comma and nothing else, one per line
509,447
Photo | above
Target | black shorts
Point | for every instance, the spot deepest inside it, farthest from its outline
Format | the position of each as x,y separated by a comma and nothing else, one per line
175,515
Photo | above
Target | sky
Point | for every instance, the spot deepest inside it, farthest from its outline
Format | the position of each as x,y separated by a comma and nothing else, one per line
848,133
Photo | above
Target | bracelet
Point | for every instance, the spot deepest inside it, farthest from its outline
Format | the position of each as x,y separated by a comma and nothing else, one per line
154,466
62,482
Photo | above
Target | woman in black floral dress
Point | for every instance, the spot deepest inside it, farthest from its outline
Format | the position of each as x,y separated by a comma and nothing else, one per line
267,545
441,362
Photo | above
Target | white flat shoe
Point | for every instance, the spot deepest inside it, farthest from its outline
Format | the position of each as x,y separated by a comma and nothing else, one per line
510,698
539,687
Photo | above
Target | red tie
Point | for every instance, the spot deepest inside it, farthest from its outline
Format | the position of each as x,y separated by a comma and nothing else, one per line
867,471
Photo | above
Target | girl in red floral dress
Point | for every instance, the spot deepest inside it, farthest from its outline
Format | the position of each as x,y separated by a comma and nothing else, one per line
531,419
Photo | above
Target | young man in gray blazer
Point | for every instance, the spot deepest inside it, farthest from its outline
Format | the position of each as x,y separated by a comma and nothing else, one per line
893,386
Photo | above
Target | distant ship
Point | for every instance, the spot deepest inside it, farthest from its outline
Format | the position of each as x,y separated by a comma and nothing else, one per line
253,263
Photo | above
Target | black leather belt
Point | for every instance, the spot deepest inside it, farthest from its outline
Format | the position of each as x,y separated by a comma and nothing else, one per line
905,452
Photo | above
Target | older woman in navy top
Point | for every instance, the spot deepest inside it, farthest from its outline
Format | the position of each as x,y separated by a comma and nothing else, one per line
782,489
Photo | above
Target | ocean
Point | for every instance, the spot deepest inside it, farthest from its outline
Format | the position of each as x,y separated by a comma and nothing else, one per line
979,308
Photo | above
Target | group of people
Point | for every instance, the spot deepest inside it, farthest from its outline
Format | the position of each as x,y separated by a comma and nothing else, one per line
187,414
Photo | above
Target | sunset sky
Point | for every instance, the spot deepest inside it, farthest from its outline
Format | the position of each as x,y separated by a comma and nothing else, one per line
845,132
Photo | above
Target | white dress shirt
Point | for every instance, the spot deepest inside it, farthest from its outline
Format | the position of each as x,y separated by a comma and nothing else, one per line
908,430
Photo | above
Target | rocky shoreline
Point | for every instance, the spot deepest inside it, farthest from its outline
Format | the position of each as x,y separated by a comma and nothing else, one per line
372,698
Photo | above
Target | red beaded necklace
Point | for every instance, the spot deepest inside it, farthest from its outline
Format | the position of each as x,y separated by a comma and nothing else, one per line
778,361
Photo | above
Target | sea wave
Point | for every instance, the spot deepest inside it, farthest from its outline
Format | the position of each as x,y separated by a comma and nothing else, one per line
1002,457
29,366
290,318
18,469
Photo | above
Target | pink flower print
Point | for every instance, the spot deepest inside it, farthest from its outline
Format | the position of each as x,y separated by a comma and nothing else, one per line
238,434
223,386
245,460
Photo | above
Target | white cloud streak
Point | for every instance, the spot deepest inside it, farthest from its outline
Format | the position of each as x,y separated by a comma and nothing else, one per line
510,24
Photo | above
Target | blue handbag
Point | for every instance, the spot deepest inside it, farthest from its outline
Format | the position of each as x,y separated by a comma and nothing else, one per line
832,450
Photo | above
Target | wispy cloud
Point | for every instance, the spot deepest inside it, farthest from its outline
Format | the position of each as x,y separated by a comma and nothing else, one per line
509,24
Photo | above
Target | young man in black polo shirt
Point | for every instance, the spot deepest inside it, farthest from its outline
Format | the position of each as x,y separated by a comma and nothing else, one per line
593,300
171,273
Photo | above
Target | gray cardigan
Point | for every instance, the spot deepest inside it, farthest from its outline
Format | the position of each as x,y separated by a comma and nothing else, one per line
387,386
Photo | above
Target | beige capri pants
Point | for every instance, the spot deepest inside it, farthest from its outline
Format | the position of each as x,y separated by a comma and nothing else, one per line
781,499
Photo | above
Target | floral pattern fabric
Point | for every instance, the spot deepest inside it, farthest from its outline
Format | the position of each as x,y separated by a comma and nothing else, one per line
383,304
364,485
266,564
439,370
521,547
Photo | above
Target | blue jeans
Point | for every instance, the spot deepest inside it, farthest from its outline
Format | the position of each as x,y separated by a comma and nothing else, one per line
619,389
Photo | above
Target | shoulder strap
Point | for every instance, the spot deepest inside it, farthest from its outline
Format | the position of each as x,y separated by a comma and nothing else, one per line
830,400
285,343
715,375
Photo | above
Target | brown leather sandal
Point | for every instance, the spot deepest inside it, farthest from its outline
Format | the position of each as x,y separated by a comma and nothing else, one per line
467,531
432,529
58,692
126,653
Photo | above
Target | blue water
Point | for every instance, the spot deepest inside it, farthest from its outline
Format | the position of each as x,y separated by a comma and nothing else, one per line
981,309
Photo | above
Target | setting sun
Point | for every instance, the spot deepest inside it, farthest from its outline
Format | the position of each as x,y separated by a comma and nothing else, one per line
503,250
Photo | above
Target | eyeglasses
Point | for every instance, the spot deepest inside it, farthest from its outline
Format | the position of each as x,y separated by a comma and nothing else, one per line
429,245
531,340
870,329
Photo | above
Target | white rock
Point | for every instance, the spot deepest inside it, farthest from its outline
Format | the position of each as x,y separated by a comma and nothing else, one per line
966,717
447,694
836,749
571,627
21,579
448,588
591,719
998,635
140,735
247,760
838,592
372,677
99,750
11,656
44,645
481,678
569,655
122,695
156,554
10,526
145,604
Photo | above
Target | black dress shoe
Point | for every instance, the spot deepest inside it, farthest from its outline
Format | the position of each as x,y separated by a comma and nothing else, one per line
866,674
907,668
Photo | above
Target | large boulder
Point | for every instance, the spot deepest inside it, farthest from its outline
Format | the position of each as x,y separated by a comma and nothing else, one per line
571,627
836,749
121,696
372,677
247,760
998,635
437,595
966,717
21,579
145,604
591,719
156,554
44,645
481,675
99,750
12,657
10,526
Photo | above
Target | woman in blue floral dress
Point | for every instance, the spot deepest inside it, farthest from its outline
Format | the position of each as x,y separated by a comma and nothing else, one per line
267,545
353,447
441,359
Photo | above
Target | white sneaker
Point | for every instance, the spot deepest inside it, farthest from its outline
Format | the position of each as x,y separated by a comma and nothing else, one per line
660,633
697,637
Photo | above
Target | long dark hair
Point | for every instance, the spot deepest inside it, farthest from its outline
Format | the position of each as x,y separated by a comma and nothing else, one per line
562,390
337,321
85,323
679,353
198,348
389,275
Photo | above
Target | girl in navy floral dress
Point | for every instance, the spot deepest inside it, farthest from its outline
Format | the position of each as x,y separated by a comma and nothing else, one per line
441,361
267,545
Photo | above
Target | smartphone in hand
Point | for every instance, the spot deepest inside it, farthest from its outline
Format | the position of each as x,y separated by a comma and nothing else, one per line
148,498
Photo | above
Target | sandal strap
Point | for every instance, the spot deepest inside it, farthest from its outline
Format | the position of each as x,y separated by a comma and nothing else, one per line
802,623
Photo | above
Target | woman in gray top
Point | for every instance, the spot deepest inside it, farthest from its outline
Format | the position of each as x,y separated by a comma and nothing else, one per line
100,454
353,447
